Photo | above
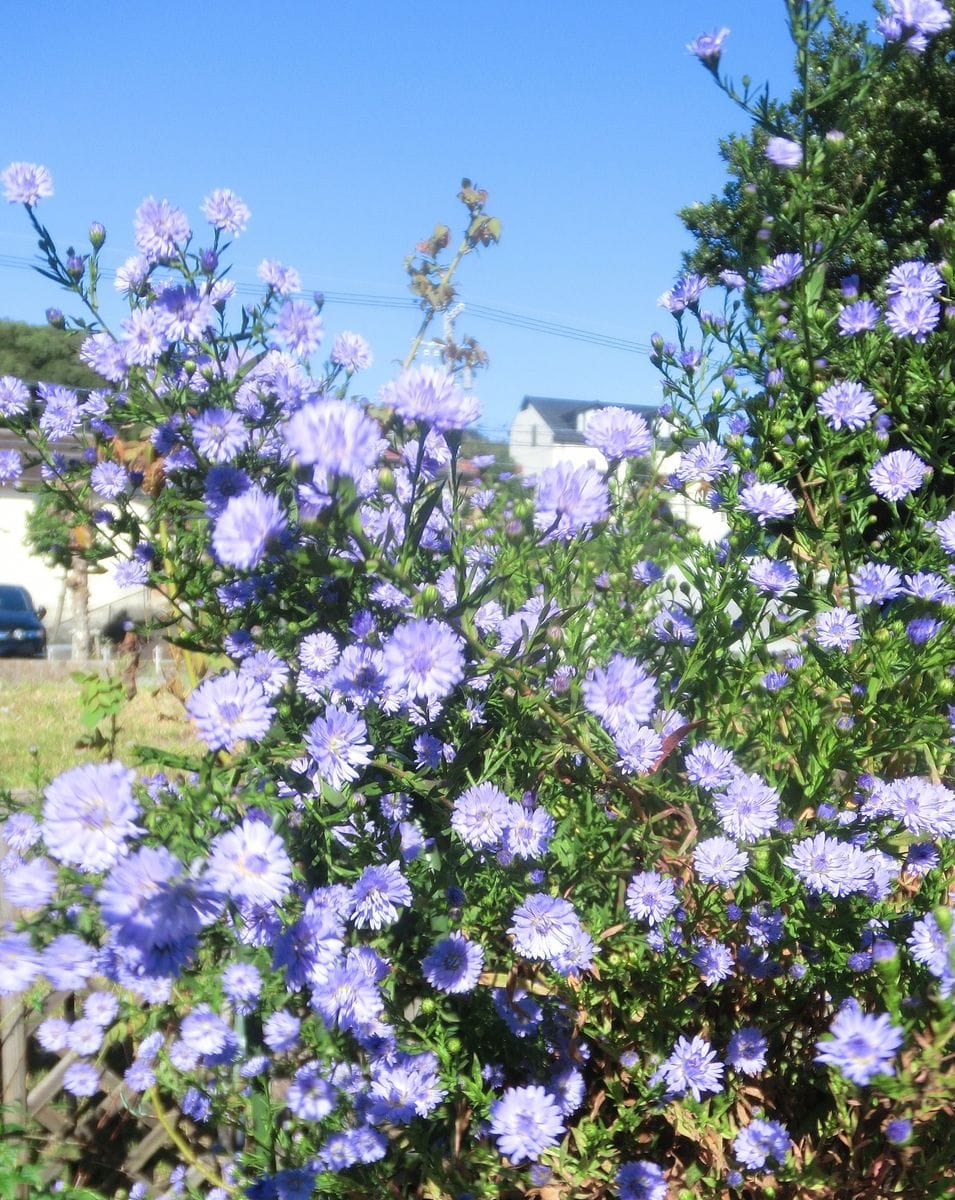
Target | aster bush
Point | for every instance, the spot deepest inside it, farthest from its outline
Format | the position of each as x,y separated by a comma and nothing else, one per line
528,843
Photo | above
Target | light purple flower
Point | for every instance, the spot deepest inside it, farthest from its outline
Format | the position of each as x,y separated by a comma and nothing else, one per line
859,317
480,815
783,152
761,1140
454,964
569,500
245,528
525,1122
20,964
651,897
249,864
781,272
81,1079
913,315
230,708
351,351
432,397
641,1180
618,433
746,1051
767,501
544,926
621,694
709,46
377,895
337,744
862,1044
219,434
692,1067
424,659
748,809
160,229
826,864
299,329
837,629
897,474
11,466
846,406
89,812
719,860
14,396
275,275
334,436
223,209
705,462
26,183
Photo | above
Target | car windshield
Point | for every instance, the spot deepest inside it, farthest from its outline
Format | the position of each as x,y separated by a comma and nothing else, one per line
13,599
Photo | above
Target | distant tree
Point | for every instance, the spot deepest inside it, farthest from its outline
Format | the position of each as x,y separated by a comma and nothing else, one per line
41,353
896,166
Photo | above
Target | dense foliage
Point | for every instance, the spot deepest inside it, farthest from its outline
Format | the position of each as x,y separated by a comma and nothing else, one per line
510,860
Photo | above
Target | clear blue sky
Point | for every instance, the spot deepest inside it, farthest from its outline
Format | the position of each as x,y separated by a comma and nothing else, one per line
347,127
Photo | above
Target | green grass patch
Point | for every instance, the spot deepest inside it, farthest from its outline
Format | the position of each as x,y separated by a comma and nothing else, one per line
40,726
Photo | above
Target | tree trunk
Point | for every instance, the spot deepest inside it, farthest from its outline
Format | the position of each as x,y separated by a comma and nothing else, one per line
77,580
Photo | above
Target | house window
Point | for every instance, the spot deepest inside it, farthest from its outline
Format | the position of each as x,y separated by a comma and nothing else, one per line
533,435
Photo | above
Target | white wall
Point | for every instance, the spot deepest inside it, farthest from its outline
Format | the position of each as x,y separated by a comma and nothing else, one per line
44,583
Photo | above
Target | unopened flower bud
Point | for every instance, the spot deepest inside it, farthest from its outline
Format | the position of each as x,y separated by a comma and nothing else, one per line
319,298
97,234
55,318
75,266
209,262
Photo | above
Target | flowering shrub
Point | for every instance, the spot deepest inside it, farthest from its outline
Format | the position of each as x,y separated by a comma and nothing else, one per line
506,859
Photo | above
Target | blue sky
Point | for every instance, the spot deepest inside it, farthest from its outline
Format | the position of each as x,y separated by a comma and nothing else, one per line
347,127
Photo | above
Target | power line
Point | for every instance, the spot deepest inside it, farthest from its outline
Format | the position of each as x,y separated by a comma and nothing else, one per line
481,312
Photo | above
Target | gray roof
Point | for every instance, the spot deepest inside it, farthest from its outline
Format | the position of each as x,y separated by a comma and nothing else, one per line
561,415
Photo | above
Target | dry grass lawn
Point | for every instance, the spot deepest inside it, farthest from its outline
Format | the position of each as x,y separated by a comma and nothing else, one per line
40,726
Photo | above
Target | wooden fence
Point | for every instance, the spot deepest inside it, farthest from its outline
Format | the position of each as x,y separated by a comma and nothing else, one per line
108,1142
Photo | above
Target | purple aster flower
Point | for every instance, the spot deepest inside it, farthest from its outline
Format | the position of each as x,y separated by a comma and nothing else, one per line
528,832
525,1122
719,860
53,1034
11,466
249,864
922,629
640,747
931,945
30,884
618,433
913,315
673,625
160,229
68,962
837,629
709,766
20,964
109,480
130,573
859,317
14,396
480,815
620,694
709,46
641,1180
432,397
228,709
26,183
651,897
773,577
280,1031
826,864
334,436
927,585
781,272
338,745
846,406
862,1044
88,814
266,668
692,1067
746,1051
351,352
101,1008
81,1079
20,831
713,960
569,500
685,293
898,1131
945,532
85,1036
748,809
246,526
311,1096
424,659
360,1144
347,997
404,1086
897,474
544,926
377,895
783,152
454,964
205,1033
875,583
914,278
767,501
242,984
704,462
299,329
223,209
279,277
761,1140
219,434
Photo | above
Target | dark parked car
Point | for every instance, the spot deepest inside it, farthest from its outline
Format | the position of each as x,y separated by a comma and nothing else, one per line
21,625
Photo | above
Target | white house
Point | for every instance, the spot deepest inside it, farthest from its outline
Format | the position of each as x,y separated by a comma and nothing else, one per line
547,431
